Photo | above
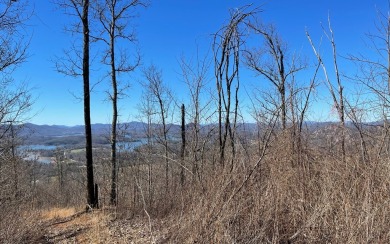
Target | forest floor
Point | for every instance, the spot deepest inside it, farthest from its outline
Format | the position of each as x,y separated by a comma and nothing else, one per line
97,226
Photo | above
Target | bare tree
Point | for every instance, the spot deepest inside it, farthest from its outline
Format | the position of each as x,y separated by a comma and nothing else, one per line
15,97
15,104
356,114
270,62
374,74
183,144
15,100
147,111
115,17
72,67
299,105
337,95
227,46
13,46
195,76
162,99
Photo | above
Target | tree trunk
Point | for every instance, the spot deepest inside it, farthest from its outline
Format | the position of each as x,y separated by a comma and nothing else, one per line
114,99
150,165
162,110
183,143
91,200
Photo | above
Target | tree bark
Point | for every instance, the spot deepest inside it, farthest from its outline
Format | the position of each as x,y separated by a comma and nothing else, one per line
183,143
114,99
91,199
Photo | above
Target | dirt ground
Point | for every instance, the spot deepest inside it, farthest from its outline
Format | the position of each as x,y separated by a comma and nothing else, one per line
97,226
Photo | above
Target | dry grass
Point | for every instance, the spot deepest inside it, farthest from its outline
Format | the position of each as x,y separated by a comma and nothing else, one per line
98,226
18,224
65,225
319,200
313,197
55,213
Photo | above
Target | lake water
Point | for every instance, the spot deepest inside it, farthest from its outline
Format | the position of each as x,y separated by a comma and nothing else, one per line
33,154
130,146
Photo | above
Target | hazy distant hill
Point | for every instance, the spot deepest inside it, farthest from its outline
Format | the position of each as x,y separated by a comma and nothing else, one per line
52,130
62,130
74,135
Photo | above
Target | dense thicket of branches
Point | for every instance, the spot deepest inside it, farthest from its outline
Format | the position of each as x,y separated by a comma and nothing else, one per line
15,105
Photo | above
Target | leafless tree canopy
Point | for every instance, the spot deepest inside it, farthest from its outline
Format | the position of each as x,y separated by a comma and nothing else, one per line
15,97
15,104
13,38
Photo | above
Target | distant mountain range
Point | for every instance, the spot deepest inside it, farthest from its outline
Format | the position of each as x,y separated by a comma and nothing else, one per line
134,129
63,130
74,135
71,135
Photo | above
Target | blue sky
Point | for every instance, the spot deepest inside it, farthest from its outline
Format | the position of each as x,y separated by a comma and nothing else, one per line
172,28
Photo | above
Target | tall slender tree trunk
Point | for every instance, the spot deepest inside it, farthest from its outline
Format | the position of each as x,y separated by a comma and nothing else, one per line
195,139
150,165
282,89
91,198
221,146
283,108
342,123
165,144
114,99
14,162
183,143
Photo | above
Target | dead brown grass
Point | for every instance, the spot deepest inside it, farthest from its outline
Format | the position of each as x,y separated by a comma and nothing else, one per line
65,225
18,224
98,226
55,213
317,200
